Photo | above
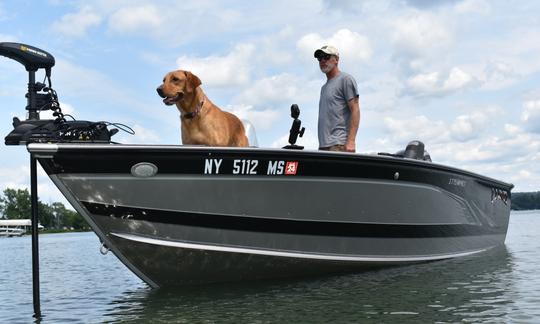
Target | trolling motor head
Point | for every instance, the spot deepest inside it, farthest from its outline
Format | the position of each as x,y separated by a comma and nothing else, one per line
40,97
31,57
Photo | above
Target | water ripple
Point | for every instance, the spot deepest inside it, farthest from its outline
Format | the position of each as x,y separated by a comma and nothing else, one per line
79,285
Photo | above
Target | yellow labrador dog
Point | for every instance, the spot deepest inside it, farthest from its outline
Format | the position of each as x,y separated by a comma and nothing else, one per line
202,122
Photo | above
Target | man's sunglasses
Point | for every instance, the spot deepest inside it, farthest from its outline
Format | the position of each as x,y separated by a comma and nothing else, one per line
324,57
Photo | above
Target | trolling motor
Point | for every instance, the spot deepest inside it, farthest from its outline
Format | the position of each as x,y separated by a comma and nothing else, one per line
41,96
295,131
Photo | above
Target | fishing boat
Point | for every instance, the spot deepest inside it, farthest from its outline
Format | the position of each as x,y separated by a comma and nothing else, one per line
180,215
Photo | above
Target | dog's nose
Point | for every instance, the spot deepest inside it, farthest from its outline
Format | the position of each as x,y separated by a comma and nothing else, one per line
160,91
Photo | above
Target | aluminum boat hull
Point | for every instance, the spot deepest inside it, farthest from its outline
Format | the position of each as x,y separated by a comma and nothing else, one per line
179,215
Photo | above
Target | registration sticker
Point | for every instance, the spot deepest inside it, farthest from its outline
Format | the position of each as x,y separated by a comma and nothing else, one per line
291,168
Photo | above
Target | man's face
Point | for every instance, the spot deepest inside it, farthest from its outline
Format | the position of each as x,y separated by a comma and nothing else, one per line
327,62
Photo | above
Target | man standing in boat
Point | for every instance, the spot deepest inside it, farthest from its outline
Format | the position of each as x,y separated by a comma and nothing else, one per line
339,108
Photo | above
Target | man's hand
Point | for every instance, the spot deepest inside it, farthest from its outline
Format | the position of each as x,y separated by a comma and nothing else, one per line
350,146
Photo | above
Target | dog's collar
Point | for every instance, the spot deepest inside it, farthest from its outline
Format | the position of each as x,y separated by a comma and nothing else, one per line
195,113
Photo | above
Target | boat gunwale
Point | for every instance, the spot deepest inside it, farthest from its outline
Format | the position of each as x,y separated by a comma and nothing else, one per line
47,150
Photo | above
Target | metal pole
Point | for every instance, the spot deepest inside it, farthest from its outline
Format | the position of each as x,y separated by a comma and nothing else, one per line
33,113
35,247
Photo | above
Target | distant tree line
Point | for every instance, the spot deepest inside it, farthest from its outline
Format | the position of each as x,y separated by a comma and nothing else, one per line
16,204
525,200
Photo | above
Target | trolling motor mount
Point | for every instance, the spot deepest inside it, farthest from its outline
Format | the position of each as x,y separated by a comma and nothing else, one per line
41,96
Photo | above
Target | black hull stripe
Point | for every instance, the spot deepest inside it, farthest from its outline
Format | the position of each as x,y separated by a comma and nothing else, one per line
284,226
119,159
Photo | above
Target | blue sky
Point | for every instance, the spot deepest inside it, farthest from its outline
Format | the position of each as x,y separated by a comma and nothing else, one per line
462,76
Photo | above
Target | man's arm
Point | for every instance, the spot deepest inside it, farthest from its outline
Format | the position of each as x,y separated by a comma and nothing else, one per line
354,106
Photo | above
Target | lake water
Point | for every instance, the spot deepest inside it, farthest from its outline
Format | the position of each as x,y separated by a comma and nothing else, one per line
78,284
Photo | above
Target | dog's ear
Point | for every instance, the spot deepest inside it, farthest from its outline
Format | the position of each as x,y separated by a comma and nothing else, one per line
192,82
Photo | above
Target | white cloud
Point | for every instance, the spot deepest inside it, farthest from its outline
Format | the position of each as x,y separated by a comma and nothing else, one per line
345,6
171,22
481,7
426,4
497,75
420,32
221,71
457,79
471,152
352,46
19,178
15,178
77,24
262,119
467,127
414,61
512,130
463,128
416,128
97,85
437,84
142,135
142,18
531,115
275,49
465,131
65,72
279,89
512,148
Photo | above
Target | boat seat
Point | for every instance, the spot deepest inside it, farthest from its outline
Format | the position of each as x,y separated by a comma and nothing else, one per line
250,133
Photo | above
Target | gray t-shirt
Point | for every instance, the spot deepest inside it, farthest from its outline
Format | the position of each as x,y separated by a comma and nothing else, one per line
334,112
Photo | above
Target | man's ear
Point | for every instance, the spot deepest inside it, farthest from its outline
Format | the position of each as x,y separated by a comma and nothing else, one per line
192,81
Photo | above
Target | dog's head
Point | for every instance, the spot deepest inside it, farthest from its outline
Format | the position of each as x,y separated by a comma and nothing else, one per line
176,85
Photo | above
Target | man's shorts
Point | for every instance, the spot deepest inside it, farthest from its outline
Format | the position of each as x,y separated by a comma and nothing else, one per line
335,148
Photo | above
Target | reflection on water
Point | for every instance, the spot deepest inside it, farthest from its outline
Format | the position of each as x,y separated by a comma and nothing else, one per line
80,285
469,289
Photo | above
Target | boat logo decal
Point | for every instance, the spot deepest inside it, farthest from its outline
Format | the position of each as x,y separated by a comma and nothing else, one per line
250,167
31,50
457,182
499,194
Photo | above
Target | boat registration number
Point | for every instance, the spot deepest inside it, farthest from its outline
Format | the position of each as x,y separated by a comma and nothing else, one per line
250,166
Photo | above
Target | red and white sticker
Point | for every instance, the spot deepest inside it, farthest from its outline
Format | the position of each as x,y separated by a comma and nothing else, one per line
291,168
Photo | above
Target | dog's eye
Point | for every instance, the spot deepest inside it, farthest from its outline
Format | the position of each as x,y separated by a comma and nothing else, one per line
175,79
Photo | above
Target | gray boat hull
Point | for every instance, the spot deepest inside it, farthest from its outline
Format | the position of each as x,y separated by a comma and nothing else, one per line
175,226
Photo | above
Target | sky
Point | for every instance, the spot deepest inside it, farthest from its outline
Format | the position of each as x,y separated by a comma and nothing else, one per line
461,76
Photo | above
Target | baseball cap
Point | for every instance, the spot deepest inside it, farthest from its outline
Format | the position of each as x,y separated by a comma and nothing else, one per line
326,49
